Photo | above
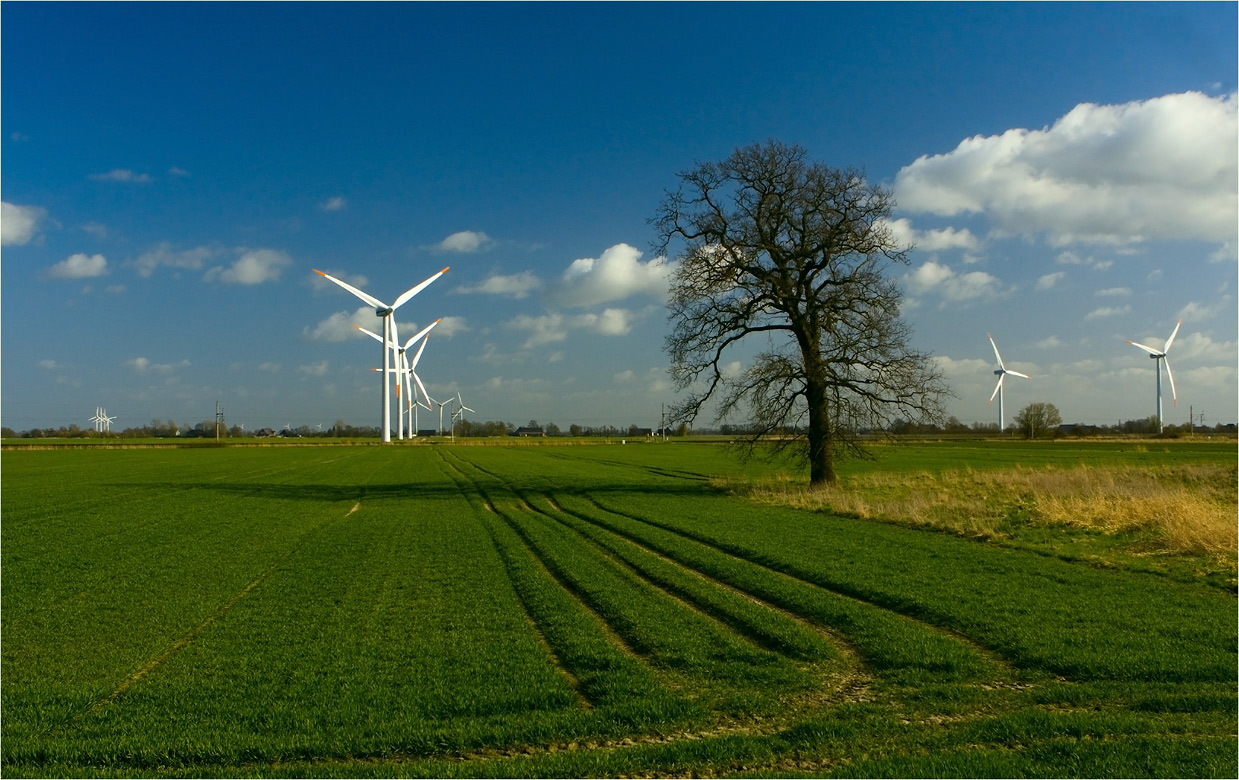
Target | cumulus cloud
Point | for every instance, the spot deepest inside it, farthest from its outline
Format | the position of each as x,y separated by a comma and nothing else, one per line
164,256
616,274
315,369
1106,311
513,286
254,266
18,224
550,328
145,366
450,326
122,174
465,241
932,240
1113,292
1048,281
939,279
79,266
334,204
339,326
1164,168
1049,342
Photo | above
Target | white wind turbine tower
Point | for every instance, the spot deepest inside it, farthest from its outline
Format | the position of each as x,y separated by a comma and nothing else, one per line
107,421
402,369
1160,356
98,419
389,333
459,414
1001,373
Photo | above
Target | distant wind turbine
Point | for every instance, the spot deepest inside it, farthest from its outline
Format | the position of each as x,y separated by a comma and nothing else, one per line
1001,373
389,333
459,414
1160,356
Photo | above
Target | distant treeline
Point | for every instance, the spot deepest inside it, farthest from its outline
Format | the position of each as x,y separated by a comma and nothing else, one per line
494,428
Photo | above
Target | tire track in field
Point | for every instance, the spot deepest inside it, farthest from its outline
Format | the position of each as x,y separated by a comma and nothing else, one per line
545,567
456,475
850,686
549,568
982,651
180,644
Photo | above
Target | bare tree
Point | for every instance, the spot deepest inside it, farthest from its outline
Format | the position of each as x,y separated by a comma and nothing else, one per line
792,252
1038,418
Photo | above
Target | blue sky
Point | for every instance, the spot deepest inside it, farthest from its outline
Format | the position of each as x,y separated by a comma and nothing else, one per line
172,173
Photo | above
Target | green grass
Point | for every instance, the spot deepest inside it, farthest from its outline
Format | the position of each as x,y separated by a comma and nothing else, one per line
571,611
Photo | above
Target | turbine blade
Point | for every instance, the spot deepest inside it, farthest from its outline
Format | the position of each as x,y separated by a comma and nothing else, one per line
367,297
465,408
415,290
1170,376
1017,373
1172,335
991,341
370,333
418,356
997,387
421,333
422,387
1150,350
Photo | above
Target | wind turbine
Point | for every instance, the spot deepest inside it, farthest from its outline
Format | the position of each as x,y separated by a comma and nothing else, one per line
1001,373
1160,356
389,332
98,419
459,414
107,421
402,369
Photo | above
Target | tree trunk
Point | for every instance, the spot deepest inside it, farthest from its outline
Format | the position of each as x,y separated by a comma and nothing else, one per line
821,454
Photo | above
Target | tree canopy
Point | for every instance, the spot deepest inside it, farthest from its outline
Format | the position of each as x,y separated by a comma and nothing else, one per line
791,253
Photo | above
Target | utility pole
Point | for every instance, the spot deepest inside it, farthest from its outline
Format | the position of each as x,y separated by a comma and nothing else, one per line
662,422
219,421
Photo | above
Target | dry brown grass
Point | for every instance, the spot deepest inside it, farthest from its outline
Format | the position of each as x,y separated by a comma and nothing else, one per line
1186,509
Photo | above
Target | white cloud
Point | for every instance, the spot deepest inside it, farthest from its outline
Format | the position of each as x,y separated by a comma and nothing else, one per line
334,204
1164,168
1048,281
1049,342
177,171
315,369
49,364
623,376
1196,345
339,326
1195,312
550,328
164,256
145,366
122,174
449,326
938,278
513,286
1113,292
79,266
18,224
617,274
254,266
465,241
1106,311
932,240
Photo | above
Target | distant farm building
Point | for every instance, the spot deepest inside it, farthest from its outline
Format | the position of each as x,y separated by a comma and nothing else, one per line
526,431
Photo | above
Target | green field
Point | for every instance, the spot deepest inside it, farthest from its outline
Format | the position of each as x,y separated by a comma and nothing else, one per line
440,611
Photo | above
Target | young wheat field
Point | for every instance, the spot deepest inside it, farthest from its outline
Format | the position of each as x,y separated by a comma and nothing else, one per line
983,609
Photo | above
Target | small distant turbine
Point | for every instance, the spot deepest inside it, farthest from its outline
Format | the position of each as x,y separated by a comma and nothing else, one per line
1001,373
459,414
1160,357
402,369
